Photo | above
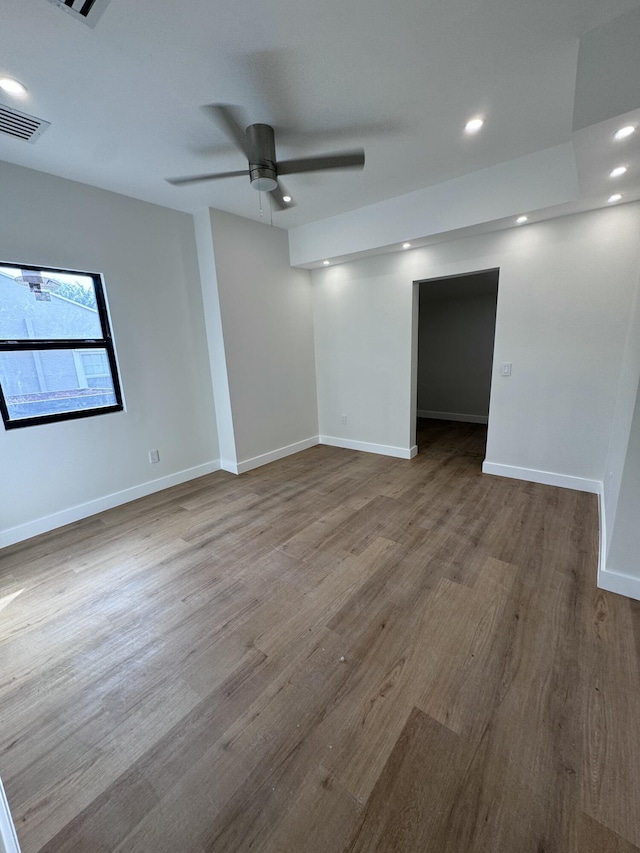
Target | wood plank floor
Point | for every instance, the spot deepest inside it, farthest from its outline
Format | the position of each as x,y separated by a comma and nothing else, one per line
335,652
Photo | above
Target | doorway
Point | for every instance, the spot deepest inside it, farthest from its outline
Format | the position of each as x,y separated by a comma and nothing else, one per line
455,341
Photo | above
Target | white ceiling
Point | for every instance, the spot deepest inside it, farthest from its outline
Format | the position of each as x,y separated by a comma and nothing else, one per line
125,99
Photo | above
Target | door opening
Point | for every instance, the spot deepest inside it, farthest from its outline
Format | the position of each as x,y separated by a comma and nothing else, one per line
455,341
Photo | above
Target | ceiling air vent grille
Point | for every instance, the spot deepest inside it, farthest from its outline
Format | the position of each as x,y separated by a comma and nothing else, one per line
21,125
84,10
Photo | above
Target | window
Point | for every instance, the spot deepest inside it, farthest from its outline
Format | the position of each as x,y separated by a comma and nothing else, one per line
57,359
92,367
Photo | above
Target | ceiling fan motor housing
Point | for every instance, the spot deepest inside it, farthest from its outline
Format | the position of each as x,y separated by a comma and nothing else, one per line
262,161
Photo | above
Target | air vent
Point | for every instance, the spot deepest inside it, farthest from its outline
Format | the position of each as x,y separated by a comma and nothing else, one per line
87,11
21,125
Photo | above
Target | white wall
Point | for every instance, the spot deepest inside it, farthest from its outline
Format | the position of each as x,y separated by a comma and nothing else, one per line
624,553
620,550
267,328
566,288
215,340
455,347
54,473
362,316
535,181
623,414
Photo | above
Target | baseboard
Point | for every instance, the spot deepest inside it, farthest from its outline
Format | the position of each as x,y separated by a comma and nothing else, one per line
75,513
453,416
609,580
368,447
602,540
619,583
8,837
547,478
274,455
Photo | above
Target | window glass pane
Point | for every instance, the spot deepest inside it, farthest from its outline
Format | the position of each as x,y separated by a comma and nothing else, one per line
47,382
94,363
47,304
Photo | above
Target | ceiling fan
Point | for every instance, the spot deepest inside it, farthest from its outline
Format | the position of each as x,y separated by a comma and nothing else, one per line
257,143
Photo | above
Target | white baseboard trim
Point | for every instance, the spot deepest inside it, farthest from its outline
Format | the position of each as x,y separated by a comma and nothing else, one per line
368,447
8,837
453,416
547,478
75,513
617,582
274,455
602,539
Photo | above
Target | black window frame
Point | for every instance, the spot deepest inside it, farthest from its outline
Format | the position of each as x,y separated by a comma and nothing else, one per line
44,344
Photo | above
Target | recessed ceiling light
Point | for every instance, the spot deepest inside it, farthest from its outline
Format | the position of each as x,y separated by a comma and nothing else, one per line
522,219
474,125
619,170
613,198
406,245
286,198
326,263
625,131
12,87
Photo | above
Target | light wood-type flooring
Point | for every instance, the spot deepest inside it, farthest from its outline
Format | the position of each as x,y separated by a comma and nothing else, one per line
335,652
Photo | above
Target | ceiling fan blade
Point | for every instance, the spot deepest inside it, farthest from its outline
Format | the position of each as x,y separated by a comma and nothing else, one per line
195,179
228,117
278,197
346,160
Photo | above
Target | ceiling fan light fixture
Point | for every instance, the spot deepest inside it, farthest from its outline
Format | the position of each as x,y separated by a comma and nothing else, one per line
264,185
263,178
286,198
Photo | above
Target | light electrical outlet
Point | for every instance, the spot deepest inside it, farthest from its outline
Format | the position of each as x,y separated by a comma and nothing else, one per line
154,456
343,419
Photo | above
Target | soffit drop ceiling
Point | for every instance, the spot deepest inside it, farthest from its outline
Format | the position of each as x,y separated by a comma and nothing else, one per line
125,98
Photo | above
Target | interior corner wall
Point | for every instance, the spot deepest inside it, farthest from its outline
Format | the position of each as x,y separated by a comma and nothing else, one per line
627,385
215,341
566,287
267,325
624,551
620,565
56,473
